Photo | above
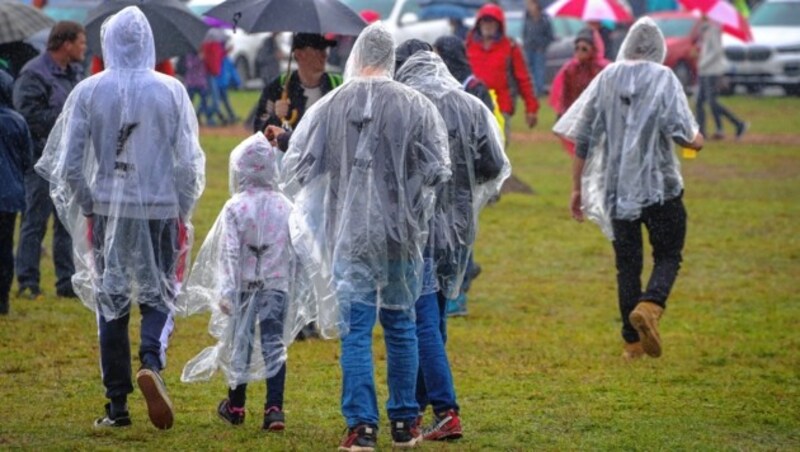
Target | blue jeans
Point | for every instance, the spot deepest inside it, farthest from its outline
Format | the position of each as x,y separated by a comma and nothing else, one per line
707,92
39,208
359,402
434,381
537,63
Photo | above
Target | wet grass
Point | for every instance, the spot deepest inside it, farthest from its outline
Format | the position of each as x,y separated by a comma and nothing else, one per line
536,363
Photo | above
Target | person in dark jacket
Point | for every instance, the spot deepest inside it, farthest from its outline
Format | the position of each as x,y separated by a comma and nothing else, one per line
537,36
16,152
39,95
306,85
454,54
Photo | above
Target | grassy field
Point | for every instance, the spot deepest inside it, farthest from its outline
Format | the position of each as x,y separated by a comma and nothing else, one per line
537,362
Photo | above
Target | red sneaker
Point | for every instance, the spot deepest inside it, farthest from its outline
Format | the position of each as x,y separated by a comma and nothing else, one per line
445,426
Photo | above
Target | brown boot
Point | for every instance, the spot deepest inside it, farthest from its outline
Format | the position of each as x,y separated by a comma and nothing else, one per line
645,319
632,351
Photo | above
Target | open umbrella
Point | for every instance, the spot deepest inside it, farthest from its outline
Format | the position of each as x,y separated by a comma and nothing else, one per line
19,21
176,30
591,10
299,16
723,13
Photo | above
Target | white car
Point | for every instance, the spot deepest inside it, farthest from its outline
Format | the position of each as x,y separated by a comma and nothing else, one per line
401,18
773,58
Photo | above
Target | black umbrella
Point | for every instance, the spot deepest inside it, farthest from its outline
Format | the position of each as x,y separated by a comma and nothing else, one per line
19,21
299,16
176,29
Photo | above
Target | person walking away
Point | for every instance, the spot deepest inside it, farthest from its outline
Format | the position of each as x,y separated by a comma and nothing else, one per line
537,35
362,168
479,168
16,155
39,95
126,169
494,57
626,174
246,274
227,78
710,69
196,80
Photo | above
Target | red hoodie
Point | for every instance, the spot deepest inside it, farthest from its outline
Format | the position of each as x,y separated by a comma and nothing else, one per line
492,65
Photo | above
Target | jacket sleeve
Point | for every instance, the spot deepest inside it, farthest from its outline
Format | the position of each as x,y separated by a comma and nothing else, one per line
32,99
265,110
489,159
229,256
76,127
523,78
189,159
432,147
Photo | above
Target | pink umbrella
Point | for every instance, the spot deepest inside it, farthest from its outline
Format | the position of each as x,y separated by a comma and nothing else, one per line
590,10
723,13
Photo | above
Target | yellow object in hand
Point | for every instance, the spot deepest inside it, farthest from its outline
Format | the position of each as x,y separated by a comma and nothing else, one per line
689,153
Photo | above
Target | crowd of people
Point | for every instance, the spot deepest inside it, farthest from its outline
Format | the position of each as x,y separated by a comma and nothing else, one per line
354,201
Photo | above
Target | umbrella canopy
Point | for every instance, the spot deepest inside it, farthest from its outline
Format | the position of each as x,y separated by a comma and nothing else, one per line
299,16
176,30
723,13
590,10
19,21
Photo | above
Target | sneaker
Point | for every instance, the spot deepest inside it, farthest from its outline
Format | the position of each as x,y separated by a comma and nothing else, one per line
361,438
405,435
230,414
457,307
120,420
632,351
68,292
4,306
274,419
718,136
741,129
445,426
645,319
159,407
30,293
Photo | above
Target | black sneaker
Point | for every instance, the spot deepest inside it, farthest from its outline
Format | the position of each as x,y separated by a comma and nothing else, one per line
30,293
405,434
120,420
741,129
274,419
230,414
362,438
67,292
159,407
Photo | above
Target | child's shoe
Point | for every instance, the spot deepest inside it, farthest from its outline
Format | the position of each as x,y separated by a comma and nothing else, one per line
457,307
274,419
361,438
446,426
645,319
122,419
405,435
230,414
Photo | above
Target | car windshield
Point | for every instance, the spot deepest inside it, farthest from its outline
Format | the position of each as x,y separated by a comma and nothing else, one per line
675,28
776,14
382,7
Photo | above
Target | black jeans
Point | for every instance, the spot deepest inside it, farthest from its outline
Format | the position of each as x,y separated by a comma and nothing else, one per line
666,225
7,223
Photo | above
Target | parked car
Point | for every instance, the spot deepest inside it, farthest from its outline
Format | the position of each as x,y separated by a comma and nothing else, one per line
681,51
773,58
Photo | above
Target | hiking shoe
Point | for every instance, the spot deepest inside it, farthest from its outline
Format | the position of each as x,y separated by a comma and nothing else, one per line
645,319
361,438
230,414
741,129
405,435
119,420
632,351
457,307
274,419
445,426
30,293
68,292
159,407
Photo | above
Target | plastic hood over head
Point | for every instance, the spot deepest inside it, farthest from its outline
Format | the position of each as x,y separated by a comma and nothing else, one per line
426,72
624,125
643,42
127,41
406,49
253,165
372,54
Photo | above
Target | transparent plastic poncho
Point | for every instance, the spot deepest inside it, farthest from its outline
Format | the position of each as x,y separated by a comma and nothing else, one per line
478,162
627,119
126,169
247,275
362,169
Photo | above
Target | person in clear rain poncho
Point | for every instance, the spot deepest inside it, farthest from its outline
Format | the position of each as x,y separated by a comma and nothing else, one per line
246,274
125,170
362,168
479,167
626,174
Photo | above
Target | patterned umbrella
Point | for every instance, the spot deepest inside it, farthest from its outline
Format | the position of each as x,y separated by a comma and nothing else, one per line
18,21
723,13
590,10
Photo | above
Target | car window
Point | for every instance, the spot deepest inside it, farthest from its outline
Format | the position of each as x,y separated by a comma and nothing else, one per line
675,28
382,7
776,14
564,27
73,13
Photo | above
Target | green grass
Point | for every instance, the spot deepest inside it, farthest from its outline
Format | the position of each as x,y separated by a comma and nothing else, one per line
536,363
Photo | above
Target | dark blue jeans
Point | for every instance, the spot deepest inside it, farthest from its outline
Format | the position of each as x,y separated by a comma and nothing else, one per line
707,93
537,64
39,209
666,226
434,381
8,222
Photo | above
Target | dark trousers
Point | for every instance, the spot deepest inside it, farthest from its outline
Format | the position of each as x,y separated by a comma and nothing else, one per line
707,93
157,320
34,225
666,226
7,224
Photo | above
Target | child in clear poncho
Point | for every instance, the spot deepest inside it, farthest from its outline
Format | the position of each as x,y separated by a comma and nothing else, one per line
245,274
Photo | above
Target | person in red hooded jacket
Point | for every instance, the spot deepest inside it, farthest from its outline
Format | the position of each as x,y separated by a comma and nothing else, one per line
494,57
